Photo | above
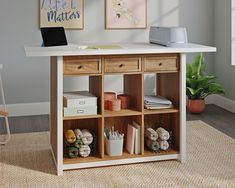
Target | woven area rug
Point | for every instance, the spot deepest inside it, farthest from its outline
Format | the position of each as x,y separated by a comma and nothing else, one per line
27,162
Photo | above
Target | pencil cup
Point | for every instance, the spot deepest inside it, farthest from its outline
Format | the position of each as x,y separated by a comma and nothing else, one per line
114,147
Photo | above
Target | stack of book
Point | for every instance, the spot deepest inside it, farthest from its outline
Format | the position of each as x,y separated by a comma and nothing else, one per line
133,138
152,102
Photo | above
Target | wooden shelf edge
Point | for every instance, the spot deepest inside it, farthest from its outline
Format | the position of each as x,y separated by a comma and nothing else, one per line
81,160
124,112
125,155
148,153
82,117
159,72
121,73
80,75
161,111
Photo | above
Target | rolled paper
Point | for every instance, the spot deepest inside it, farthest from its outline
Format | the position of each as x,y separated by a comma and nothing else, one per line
151,134
87,137
163,134
84,151
78,133
78,143
164,145
72,152
108,96
152,145
125,100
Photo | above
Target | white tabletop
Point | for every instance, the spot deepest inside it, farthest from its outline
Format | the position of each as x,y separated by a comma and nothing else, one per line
126,48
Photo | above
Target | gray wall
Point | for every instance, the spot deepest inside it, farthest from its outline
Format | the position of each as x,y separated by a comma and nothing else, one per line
26,80
223,68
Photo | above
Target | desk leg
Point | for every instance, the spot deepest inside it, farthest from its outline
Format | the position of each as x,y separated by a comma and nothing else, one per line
56,112
182,108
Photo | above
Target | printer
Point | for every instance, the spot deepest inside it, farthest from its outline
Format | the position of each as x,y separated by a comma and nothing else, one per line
168,36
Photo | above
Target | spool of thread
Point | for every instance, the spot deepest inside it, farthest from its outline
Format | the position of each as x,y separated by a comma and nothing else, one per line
87,137
164,145
152,145
163,134
84,151
125,101
108,96
151,134
115,105
78,133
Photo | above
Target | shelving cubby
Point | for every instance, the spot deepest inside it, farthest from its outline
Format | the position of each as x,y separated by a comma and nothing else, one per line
168,121
132,85
164,72
94,86
121,124
94,125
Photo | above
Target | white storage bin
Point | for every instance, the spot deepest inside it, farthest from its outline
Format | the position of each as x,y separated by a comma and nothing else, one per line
81,111
114,147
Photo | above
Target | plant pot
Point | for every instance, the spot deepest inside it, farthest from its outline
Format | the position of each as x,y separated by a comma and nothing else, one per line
196,106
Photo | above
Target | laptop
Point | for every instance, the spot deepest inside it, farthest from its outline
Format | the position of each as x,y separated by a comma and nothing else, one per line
53,36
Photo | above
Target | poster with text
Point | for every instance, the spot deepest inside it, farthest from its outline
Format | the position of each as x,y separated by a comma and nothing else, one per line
62,13
126,14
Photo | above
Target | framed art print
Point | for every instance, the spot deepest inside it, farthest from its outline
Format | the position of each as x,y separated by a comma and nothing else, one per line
64,13
125,14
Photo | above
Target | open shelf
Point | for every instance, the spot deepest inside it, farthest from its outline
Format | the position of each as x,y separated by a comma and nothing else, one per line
94,125
131,85
81,159
148,153
168,121
161,111
82,117
123,112
125,155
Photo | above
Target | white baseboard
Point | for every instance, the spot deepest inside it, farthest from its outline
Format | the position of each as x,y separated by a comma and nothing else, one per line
222,102
28,109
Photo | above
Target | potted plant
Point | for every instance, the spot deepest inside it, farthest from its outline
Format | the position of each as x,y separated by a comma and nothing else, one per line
199,86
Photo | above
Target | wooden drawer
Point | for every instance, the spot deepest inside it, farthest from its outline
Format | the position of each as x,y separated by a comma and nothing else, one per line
122,64
73,66
168,63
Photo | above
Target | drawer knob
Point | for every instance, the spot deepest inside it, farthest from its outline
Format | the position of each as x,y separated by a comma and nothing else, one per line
160,64
121,65
80,67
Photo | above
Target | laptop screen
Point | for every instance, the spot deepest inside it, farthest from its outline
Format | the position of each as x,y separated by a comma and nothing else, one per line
53,36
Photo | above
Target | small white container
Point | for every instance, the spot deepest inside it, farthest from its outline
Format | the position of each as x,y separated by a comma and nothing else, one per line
114,147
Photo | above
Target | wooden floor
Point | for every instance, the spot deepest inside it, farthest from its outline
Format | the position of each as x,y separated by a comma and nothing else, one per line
218,118
214,116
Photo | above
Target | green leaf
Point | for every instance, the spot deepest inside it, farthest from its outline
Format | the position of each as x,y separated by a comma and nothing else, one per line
199,85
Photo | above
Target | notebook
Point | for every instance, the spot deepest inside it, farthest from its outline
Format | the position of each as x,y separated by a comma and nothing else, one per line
130,139
53,36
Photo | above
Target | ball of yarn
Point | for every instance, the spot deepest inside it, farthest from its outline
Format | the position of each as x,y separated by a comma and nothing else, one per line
84,151
152,145
87,137
72,152
164,145
78,133
163,134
